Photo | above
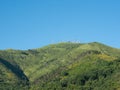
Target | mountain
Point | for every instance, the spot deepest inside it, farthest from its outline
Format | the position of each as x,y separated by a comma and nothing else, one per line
62,66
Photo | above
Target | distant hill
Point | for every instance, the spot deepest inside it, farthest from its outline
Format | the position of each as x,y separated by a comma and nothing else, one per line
62,66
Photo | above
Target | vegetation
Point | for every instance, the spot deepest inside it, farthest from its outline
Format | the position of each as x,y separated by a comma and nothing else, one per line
62,66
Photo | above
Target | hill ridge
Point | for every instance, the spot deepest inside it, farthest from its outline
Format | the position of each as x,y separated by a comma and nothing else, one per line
53,65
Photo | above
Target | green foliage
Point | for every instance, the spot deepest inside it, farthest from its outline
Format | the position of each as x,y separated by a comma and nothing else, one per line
63,66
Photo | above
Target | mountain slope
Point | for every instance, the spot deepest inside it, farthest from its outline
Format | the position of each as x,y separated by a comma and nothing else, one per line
11,76
64,66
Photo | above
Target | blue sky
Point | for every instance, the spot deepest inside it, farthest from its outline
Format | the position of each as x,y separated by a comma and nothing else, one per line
26,24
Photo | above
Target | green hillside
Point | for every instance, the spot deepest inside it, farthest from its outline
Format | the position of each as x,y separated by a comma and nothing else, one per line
12,77
62,66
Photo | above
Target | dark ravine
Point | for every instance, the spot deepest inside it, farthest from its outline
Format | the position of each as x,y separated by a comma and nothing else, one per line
15,69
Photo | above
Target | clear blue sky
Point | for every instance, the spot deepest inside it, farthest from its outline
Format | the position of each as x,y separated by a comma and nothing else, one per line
26,24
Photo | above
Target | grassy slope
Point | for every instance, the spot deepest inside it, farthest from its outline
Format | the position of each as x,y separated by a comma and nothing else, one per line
11,77
66,62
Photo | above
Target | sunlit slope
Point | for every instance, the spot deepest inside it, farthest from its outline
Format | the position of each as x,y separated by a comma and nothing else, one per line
89,73
37,62
67,66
